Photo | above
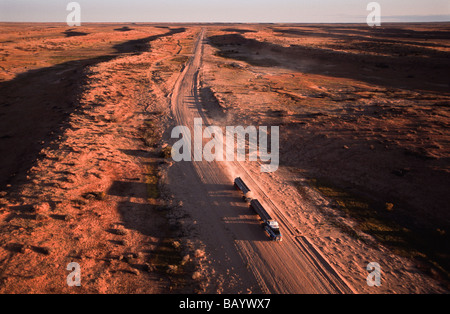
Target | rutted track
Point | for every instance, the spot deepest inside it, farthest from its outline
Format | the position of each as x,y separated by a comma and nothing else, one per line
292,266
304,244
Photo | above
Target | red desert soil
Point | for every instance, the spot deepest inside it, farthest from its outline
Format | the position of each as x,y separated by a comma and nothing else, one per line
80,160
364,120
86,176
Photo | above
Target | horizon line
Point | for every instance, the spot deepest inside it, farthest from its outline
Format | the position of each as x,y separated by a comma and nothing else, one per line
359,19
217,22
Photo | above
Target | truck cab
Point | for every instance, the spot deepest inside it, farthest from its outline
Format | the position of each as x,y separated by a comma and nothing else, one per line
273,230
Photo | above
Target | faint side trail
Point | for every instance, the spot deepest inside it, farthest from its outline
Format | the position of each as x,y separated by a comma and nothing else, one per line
91,197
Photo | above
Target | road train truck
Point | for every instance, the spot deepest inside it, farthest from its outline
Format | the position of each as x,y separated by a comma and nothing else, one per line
271,226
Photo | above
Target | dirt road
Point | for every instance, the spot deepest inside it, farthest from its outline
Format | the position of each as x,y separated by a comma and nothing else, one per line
91,181
230,231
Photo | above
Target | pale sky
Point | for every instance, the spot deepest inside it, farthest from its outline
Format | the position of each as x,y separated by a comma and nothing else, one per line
247,11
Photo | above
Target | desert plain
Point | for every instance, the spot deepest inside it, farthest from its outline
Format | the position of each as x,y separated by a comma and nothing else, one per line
86,173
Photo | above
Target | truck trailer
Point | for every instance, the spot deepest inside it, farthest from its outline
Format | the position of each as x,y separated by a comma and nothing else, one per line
240,185
270,226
